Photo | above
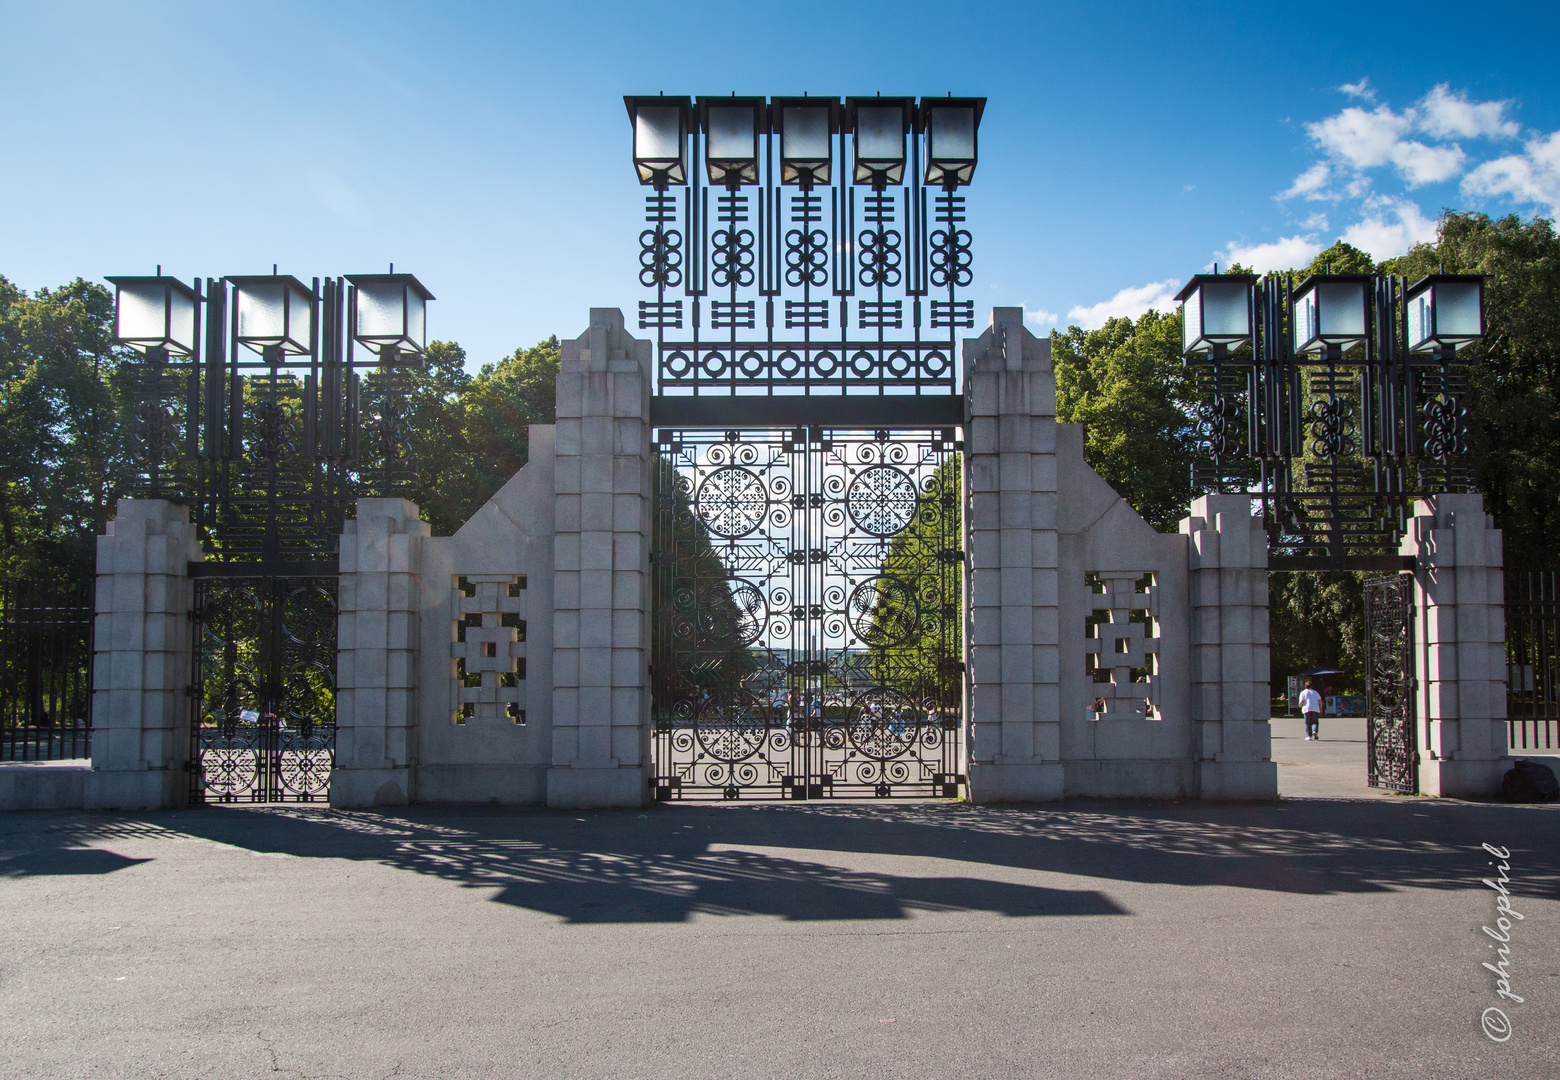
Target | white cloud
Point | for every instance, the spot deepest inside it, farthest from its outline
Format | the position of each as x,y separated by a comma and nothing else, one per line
1128,303
1282,254
1445,115
1362,90
1042,317
1389,228
1368,140
1312,183
1316,222
1532,176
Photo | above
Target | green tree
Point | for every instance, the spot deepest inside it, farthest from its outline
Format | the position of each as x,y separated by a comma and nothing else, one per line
62,451
498,408
1126,384
1514,396
916,615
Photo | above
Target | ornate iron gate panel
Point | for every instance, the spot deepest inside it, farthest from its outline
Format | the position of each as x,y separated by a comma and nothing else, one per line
807,614
263,716
1392,749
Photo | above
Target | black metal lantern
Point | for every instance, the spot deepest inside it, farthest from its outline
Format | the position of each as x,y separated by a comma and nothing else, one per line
879,126
1328,313
155,313
948,129
389,311
275,313
660,139
1215,312
806,126
1445,310
731,128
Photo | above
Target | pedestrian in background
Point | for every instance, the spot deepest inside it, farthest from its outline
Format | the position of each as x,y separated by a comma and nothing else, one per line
1311,705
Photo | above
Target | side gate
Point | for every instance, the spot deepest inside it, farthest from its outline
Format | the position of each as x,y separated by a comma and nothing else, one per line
263,689
1390,725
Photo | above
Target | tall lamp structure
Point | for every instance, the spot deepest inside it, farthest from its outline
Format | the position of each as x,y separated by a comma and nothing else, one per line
1349,386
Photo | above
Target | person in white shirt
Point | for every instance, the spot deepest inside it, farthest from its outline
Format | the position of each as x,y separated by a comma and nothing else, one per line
1311,705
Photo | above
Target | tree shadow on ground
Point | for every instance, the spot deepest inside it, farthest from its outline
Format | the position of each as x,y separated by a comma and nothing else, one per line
670,862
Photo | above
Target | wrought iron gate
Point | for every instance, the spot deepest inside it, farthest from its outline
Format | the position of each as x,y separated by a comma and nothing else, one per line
1391,735
807,614
263,720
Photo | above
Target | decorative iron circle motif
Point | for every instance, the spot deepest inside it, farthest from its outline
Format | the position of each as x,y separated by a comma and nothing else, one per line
881,500
730,725
883,723
884,611
736,613
731,502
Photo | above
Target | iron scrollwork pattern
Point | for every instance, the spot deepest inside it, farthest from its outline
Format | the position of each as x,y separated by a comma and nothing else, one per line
263,727
829,290
1392,749
807,606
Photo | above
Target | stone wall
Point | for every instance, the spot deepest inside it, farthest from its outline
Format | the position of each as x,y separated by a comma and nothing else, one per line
1080,663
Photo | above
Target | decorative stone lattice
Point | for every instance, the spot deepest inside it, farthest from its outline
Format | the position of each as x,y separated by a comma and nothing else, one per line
1121,644
487,655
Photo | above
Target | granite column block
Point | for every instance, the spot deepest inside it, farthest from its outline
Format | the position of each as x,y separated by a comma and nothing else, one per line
142,658
601,570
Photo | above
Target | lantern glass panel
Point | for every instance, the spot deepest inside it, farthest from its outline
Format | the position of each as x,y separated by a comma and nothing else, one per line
262,313
880,134
1421,321
1457,315
1226,311
300,321
181,322
729,130
804,134
1341,307
143,313
952,136
381,311
658,133
1191,321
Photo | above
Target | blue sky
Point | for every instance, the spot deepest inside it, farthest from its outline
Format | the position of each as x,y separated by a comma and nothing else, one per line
484,146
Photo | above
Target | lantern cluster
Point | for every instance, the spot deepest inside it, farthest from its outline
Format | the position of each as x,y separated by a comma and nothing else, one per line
276,314
732,128
1330,313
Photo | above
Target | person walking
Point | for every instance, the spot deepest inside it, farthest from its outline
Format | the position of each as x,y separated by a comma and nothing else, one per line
1311,705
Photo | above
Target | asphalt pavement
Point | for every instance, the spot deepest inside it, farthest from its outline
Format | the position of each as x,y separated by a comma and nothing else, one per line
1336,935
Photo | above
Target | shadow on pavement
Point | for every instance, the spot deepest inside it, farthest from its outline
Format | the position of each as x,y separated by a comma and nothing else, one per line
670,862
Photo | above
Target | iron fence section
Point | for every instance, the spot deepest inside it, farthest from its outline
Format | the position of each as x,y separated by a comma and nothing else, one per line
1533,659
46,669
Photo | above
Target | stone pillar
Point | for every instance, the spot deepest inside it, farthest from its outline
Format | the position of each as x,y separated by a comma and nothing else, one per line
601,582
1013,634
141,663
1459,646
1230,679
376,655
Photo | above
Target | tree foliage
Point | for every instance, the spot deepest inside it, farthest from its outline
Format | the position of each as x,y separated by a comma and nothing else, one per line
1126,385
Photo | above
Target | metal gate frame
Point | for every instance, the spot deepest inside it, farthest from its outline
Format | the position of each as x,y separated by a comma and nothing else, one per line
807,614
1391,729
263,689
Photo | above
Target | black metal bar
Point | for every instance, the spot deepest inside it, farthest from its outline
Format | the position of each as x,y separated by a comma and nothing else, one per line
879,411
1377,563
